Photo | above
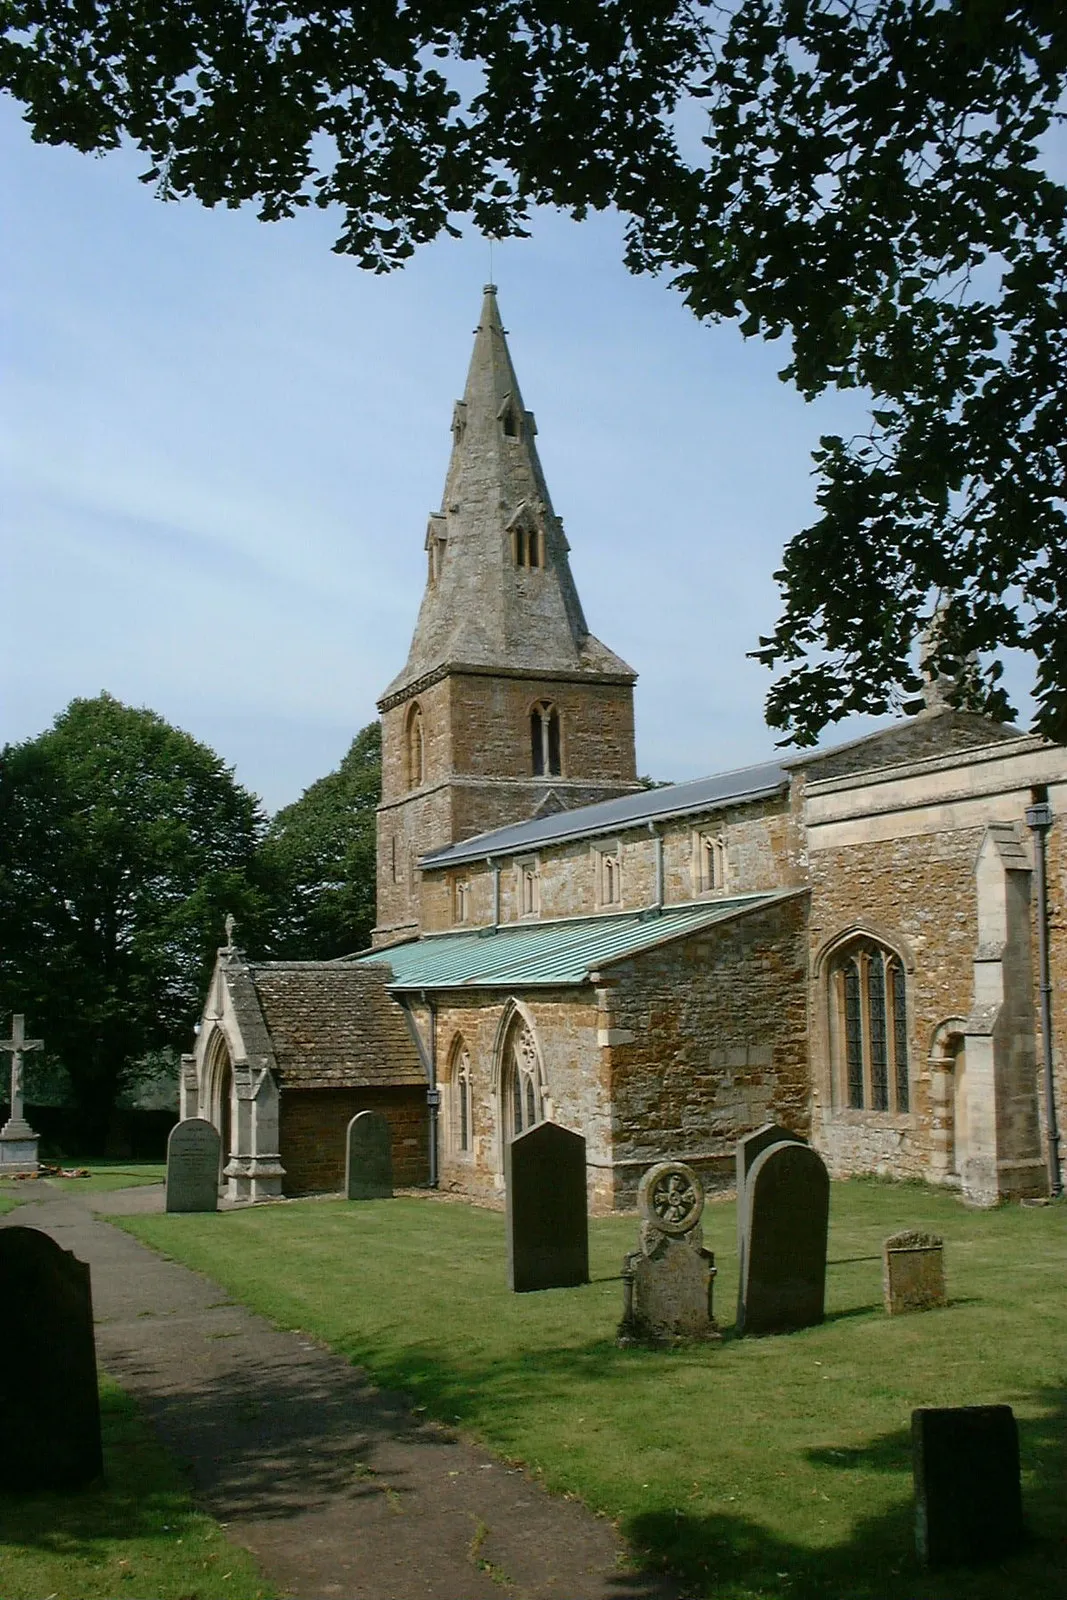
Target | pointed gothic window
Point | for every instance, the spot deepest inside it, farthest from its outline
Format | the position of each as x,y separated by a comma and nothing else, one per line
523,1089
511,425
462,1120
709,862
416,748
545,740
609,877
869,1027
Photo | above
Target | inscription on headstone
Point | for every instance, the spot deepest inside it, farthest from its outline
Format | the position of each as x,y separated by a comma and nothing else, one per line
667,1282
913,1272
368,1158
193,1151
748,1148
48,1393
547,1209
968,1500
783,1282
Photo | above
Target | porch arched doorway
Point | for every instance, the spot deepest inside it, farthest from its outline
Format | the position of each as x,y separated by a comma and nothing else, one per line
219,1098
948,1083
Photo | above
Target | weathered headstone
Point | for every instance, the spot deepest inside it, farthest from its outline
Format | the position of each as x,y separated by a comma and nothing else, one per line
913,1272
667,1282
747,1149
18,1142
368,1157
193,1152
968,1500
48,1394
547,1209
783,1283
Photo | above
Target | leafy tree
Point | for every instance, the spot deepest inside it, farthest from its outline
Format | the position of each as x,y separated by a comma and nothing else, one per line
123,844
871,186
320,857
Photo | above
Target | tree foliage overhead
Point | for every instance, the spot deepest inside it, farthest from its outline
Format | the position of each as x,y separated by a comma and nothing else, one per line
872,186
123,844
320,857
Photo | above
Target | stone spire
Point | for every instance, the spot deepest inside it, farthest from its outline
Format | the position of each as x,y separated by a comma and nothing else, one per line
499,591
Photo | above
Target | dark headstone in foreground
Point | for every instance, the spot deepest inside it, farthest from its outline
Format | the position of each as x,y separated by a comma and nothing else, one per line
48,1397
913,1272
547,1210
193,1152
783,1282
745,1154
968,1503
368,1157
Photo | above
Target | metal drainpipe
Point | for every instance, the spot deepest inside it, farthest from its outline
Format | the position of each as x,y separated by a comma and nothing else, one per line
433,1093
1039,821
658,837
496,889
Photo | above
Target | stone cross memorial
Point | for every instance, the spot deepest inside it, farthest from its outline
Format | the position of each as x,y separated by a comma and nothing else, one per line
18,1142
753,1145
547,1209
48,1395
783,1275
913,1272
667,1282
193,1153
369,1157
968,1500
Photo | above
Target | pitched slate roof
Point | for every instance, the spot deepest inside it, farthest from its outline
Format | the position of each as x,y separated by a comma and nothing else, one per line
334,1024
607,816
549,954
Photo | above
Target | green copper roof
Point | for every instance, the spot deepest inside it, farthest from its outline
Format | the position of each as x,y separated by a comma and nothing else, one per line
521,955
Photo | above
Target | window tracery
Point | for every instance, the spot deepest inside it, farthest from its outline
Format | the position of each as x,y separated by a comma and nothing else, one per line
868,1027
523,1093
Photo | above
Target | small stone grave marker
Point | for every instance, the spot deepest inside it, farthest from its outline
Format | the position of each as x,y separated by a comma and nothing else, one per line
667,1282
547,1209
783,1282
369,1157
747,1149
968,1500
913,1272
48,1394
193,1152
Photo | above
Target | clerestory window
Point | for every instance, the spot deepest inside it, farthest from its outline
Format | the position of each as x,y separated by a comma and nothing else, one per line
869,1028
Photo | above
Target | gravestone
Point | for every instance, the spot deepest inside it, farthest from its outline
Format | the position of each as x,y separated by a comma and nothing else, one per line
368,1157
48,1395
913,1272
547,1209
747,1149
193,1152
968,1500
667,1281
18,1142
783,1283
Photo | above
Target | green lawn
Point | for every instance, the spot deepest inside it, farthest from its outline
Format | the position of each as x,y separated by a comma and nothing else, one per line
137,1534
10,1197
105,1175
757,1467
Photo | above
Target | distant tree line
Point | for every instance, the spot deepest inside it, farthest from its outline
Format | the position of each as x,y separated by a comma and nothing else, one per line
124,842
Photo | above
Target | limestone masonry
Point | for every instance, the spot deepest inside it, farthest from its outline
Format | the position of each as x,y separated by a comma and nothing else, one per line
843,943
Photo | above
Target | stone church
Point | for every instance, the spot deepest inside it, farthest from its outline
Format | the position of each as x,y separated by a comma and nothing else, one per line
850,942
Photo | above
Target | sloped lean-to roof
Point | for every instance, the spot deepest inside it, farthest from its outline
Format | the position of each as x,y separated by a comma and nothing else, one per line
549,954
332,1024
608,816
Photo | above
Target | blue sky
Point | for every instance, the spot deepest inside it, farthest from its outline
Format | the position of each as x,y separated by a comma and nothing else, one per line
221,443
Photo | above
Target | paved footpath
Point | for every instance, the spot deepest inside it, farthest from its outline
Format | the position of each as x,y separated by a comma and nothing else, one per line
335,1487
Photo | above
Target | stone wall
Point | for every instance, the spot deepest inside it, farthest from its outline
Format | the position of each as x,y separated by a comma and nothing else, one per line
703,1040
1056,877
312,1127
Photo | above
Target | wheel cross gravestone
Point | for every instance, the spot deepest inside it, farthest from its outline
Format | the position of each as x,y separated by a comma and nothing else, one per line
667,1282
48,1391
547,1209
18,1142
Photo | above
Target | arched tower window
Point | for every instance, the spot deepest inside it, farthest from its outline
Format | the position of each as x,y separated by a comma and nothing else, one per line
462,1099
545,740
416,748
528,547
869,1027
521,1080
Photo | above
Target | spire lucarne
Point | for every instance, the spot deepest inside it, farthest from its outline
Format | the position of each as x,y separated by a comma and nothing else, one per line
507,704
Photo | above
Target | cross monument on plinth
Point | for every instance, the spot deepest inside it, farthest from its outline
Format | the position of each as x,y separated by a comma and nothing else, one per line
18,1142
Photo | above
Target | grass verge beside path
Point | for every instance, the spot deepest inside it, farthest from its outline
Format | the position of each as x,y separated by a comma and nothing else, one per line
137,1534
103,1176
757,1467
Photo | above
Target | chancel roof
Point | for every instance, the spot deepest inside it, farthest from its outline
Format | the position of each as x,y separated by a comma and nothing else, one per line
548,954
608,816
333,1023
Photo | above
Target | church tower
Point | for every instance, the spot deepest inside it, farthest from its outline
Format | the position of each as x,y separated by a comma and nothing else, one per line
507,704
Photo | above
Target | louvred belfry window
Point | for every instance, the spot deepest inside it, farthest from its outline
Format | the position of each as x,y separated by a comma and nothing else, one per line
545,747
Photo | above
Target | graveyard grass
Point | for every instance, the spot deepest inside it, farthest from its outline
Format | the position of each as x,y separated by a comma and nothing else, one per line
778,1466
138,1533
103,1177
